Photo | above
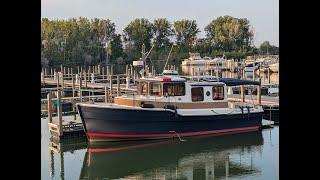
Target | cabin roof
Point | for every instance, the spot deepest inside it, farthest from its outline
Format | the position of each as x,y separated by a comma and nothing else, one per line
238,82
164,78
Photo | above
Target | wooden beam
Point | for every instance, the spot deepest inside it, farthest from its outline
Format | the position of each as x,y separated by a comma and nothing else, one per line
49,107
242,93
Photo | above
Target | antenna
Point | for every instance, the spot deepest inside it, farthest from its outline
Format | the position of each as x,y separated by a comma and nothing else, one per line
168,57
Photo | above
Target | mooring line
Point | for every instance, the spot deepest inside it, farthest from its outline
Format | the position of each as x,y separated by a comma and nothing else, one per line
182,140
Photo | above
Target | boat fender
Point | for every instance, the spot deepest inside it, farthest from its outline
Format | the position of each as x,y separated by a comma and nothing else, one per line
241,107
145,105
248,108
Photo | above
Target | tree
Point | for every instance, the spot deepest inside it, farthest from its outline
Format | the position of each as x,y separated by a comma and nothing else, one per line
74,41
186,32
267,49
116,46
138,32
229,33
162,30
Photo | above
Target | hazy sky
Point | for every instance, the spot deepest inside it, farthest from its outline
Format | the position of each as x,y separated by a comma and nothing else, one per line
262,14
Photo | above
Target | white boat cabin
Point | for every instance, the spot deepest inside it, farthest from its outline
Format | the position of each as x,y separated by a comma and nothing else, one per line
180,92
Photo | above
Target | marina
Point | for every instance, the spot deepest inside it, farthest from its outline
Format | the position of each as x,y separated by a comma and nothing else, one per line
154,95
97,90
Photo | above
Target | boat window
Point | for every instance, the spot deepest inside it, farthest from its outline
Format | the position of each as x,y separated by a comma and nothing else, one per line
217,93
143,88
174,89
197,94
155,89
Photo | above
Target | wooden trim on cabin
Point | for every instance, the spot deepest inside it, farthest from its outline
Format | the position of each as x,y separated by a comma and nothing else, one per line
180,105
127,102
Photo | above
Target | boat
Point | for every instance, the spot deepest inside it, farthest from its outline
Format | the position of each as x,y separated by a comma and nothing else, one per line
196,65
251,66
169,106
195,59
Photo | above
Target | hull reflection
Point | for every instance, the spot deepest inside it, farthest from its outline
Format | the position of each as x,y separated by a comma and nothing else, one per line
197,158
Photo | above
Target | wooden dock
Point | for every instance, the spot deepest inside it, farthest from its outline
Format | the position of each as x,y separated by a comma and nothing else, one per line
269,104
68,83
265,100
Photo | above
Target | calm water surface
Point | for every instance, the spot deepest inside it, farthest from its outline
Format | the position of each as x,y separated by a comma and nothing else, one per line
252,155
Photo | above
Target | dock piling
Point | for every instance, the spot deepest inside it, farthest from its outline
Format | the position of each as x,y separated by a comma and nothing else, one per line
58,80
62,84
118,85
253,75
85,78
59,112
80,87
259,92
92,78
72,85
103,73
110,85
242,93
269,75
49,97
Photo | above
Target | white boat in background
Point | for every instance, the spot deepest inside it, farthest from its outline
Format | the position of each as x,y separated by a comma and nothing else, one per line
195,59
251,67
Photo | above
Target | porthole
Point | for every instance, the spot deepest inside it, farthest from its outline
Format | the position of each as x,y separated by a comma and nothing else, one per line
208,93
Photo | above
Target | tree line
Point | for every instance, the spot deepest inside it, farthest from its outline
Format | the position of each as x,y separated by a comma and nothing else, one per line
82,41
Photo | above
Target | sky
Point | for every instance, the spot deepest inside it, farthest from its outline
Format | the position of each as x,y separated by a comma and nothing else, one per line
262,14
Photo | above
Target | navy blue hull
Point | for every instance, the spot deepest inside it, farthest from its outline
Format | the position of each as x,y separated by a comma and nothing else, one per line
120,124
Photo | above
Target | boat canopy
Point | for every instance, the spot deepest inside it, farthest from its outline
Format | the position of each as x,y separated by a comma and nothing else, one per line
238,82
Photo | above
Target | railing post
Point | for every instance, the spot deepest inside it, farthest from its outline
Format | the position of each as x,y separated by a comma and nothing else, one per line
106,94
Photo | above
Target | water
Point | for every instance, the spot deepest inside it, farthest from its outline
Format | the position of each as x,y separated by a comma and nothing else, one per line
241,156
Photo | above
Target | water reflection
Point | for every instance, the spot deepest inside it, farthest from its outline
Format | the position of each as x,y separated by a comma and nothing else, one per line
198,158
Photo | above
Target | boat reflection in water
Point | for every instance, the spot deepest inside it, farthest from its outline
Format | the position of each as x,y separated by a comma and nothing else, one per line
196,158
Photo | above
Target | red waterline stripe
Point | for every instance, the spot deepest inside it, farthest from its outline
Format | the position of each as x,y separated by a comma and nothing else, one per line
113,135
